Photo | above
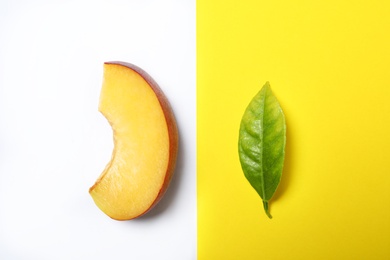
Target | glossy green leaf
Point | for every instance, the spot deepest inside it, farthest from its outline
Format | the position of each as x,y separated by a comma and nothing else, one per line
261,144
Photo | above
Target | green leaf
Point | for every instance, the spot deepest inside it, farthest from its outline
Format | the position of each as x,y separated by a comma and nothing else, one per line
261,144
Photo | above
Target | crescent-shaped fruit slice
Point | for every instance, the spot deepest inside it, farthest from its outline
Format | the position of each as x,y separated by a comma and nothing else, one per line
145,143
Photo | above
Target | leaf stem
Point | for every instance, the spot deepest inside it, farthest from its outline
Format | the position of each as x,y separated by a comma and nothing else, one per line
265,204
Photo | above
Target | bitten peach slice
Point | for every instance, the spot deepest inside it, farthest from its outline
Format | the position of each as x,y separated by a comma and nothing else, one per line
145,143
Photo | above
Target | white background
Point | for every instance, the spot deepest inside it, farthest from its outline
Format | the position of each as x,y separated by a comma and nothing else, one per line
54,143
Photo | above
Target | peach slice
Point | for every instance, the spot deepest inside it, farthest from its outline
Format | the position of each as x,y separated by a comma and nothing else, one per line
145,143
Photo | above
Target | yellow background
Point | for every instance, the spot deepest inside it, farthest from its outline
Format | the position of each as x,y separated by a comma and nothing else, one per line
328,63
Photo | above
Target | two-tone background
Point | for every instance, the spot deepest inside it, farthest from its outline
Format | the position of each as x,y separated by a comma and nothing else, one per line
328,63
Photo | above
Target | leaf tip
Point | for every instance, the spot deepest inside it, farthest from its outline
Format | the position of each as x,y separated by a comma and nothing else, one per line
266,87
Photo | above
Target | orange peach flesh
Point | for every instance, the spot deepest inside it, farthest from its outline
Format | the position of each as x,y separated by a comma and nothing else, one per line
140,167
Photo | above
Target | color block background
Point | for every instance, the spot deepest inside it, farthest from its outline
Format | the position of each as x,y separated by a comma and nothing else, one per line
328,64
